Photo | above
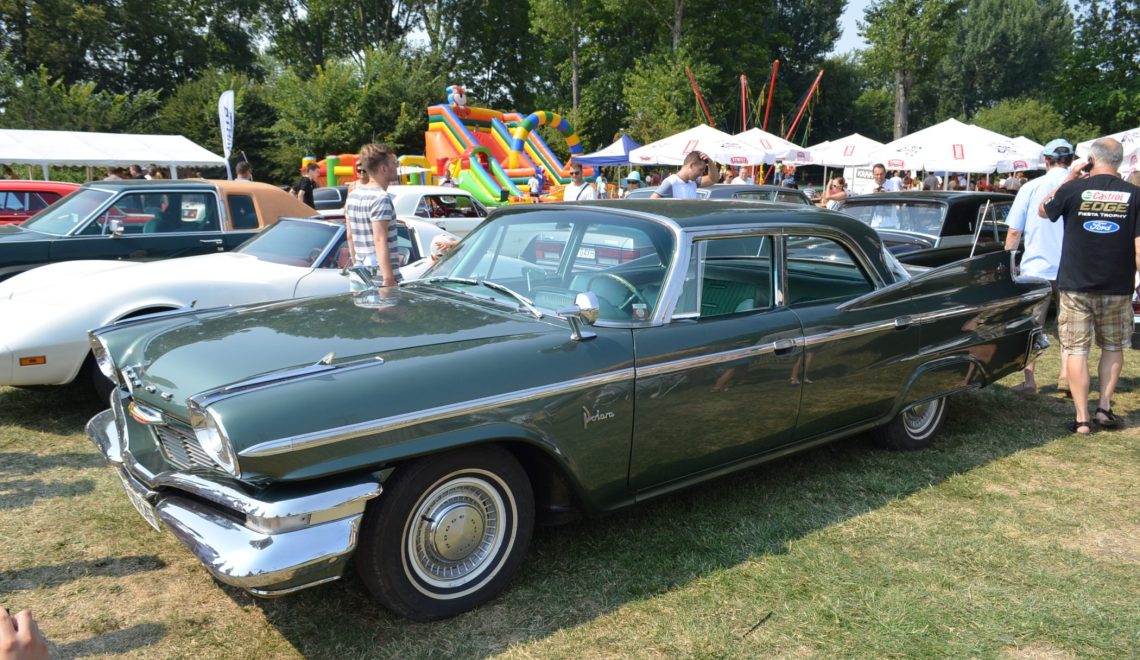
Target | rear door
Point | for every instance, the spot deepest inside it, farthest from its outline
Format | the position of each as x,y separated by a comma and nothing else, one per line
716,384
856,359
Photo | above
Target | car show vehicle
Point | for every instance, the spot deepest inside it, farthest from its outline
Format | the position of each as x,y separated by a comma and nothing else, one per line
45,313
932,228
741,192
421,431
21,199
141,220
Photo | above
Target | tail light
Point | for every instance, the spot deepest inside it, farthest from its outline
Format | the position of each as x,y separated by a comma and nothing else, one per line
615,256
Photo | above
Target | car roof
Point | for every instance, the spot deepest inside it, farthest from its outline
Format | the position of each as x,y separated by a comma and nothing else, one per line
750,187
927,195
426,190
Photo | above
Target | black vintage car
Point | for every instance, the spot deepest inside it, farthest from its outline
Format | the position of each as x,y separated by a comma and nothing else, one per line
144,220
741,193
932,228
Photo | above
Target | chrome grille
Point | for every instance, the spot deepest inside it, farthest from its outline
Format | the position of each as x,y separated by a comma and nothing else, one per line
181,447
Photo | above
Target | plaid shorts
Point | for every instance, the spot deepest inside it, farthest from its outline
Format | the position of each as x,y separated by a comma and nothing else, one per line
1083,315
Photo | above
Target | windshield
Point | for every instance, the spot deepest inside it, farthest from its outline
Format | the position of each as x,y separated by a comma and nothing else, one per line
290,242
61,218
551,256
920,217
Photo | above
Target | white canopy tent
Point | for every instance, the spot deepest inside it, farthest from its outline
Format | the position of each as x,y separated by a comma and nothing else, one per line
718,145
73,148
1129,139
952,147
1032,149
775,146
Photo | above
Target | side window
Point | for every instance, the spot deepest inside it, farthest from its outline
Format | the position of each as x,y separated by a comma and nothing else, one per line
728,276
162,213
791,198
994,226
404,245
822,269
41,200
753,196
242,213
10,202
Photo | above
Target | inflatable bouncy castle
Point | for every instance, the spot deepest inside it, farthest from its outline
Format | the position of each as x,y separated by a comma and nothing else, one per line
493,154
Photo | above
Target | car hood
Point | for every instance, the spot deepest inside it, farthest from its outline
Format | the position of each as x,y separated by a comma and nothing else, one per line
61,283
206,351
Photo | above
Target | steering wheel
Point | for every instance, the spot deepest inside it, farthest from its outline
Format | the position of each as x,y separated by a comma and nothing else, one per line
634,293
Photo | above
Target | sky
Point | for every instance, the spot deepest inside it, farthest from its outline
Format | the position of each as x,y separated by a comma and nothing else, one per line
850,40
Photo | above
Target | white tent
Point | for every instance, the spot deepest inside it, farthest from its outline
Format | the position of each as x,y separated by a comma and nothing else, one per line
951,147
44,148
721,147
851,151
776,147
1129,139
1032,149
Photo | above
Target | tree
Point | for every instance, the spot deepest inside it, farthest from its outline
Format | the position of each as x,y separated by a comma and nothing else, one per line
307,33
1004,49
39,102
1099,81
659,98
1034,119
562,22
906,38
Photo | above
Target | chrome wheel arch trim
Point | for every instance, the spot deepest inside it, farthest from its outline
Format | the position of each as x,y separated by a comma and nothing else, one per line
424,416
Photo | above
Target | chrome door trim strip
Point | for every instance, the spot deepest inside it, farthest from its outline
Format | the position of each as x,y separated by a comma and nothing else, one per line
394,422
712,359
848,333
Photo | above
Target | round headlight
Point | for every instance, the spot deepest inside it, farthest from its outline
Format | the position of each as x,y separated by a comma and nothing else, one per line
211,436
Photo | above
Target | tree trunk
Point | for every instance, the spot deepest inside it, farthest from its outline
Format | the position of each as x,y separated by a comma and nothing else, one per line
678,21
902,102
574,72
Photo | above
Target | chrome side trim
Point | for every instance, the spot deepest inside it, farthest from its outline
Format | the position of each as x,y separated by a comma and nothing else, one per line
848,333
472,407
712,359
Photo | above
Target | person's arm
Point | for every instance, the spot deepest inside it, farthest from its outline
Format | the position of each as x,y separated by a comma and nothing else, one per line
711,173
664,189
1047,206
1136,242
1016,220
20,637
348,241
385,214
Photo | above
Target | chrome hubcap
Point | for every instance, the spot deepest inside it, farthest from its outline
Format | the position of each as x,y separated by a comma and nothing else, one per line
919,418
454,531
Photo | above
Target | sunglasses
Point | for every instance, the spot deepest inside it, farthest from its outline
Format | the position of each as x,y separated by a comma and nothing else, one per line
360,170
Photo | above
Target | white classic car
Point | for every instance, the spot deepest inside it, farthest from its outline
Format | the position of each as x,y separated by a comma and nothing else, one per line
45,313
451,209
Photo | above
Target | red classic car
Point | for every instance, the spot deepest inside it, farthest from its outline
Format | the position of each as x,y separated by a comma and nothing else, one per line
20,200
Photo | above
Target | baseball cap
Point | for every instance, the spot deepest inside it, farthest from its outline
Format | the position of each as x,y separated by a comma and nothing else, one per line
633,176
1058,148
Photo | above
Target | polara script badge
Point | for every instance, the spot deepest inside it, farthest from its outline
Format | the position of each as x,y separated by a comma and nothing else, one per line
596,416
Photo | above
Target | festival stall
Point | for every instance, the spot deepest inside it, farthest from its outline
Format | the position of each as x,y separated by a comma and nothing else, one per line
82,149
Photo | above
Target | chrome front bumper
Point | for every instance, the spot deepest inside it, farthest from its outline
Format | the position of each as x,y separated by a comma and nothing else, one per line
269,548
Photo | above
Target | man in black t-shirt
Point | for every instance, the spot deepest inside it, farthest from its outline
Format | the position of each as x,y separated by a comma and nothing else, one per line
1099,260
303,189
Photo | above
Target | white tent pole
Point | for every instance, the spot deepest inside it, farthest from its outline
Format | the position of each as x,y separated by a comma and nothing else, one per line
173,172
46,176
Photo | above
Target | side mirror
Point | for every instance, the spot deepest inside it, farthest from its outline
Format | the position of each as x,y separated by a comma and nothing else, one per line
359,278
584,310
116,228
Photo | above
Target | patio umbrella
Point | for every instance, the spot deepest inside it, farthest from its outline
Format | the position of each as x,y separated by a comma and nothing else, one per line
776,147
615,154
1131,141
720,146
951,147
851,151
1031,148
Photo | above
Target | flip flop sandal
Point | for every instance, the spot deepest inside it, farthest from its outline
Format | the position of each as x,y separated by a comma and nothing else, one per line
1075,426
1113,422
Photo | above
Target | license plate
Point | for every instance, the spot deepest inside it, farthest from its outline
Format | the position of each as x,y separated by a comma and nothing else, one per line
585,253
141,505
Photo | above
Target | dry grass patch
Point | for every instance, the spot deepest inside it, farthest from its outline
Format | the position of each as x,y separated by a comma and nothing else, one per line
1036,651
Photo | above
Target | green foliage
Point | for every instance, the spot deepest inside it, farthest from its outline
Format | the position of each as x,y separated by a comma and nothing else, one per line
40,102
1003,49
1100,79
307,33
1034,119
659,98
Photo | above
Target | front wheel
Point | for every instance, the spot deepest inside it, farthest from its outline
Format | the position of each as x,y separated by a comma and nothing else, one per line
448,533
914,428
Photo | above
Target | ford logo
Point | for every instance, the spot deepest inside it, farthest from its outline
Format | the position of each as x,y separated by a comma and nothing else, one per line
1101,226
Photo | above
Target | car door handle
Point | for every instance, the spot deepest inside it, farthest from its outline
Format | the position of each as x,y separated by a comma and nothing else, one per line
902,322
211,241
783,346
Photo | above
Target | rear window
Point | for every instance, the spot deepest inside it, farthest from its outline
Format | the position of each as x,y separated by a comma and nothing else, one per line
242,213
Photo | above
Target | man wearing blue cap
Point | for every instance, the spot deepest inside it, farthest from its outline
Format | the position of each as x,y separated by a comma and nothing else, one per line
1043,239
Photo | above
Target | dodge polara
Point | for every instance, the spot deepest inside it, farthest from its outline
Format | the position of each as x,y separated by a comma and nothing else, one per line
421,431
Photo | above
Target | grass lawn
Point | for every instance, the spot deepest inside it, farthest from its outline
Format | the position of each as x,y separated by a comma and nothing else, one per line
1011,538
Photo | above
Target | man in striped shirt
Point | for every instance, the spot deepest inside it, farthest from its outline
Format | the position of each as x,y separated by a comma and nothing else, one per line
370,217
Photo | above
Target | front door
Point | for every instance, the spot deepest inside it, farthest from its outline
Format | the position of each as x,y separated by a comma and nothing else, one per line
717,384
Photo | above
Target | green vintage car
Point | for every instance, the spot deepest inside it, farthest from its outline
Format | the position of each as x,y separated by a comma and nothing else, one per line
563,359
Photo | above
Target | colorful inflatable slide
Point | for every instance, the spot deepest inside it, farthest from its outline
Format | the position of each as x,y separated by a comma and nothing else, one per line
493,154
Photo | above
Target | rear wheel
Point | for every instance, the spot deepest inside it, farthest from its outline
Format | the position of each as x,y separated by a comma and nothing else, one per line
914,428
448,533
